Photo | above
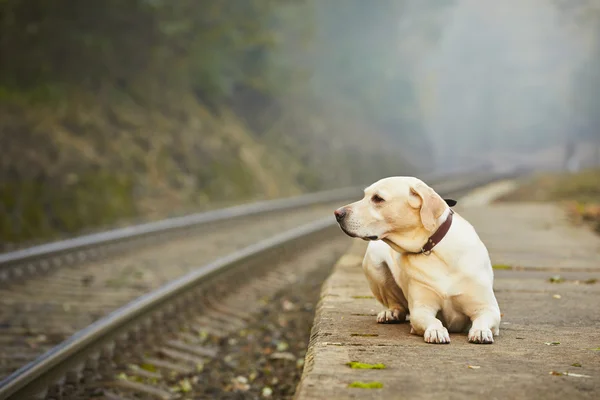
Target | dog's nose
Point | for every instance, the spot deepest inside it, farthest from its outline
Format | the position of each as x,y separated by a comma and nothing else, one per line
340,213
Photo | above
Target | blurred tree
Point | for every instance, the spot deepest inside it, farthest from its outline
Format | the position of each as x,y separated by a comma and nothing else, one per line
148,101
209,45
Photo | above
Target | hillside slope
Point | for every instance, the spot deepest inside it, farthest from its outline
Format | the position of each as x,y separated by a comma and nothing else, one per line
91,163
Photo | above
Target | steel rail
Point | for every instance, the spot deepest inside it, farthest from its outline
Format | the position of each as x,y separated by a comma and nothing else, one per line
39,259
180,294
165,225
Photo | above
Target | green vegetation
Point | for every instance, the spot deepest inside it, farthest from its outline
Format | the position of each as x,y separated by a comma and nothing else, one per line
366,385
579,192
119,111
360,365
501,266
582,187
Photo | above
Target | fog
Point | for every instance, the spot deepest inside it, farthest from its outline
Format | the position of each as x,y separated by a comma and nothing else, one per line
502,79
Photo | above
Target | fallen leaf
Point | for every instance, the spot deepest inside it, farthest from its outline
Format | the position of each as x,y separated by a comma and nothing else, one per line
185,386
576,365
556,279
122,376
474,367
556,296
199,367
366,385
252,376
552,343
360,365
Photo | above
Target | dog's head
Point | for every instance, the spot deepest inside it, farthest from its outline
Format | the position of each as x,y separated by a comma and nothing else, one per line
395,210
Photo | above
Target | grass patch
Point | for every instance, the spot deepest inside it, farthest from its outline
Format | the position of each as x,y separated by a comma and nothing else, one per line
583,187
580,193
363,297
366,385
361,365
501,266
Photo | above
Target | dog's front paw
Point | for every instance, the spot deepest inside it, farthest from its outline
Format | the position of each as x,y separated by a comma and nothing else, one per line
481,336
437,335
391,316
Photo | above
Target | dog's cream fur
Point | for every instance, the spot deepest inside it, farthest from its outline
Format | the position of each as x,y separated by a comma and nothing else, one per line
450,289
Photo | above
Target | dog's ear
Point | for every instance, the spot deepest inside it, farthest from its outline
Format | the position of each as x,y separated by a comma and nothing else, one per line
450,202
431,205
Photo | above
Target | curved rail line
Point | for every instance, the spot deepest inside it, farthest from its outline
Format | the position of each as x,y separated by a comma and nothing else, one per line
83,358
21,263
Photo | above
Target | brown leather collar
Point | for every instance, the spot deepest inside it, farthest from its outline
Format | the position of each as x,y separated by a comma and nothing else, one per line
438,235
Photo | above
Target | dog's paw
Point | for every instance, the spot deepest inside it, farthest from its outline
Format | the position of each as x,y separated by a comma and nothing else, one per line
437,335
481,336
391,317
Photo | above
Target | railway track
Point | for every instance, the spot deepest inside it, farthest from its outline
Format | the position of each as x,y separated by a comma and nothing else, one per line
49,292
180,313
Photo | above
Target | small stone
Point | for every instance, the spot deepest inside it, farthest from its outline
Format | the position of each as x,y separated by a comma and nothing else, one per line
267,392
288,305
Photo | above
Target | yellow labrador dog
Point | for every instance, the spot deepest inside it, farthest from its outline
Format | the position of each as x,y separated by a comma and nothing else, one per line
424,260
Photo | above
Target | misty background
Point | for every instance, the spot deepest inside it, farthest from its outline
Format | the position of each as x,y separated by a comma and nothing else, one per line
113,112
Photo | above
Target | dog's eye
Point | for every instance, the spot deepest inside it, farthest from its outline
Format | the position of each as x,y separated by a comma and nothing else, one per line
377,199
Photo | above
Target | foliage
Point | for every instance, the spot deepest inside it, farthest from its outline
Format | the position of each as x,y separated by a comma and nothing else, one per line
119,109
209,45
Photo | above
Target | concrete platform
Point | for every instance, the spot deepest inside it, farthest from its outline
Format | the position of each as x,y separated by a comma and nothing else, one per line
535,239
